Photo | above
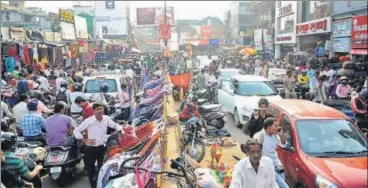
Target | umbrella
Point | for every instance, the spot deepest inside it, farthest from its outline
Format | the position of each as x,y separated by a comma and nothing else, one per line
248,51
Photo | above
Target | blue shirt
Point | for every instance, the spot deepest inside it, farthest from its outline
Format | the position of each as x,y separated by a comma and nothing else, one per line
145,78
10,64
32,124
22,86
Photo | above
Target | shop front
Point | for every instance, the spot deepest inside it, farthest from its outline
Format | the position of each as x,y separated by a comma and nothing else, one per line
285,38
310,33
341,32
359,37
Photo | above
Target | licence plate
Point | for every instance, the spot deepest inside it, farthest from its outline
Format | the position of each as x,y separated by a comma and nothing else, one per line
55,169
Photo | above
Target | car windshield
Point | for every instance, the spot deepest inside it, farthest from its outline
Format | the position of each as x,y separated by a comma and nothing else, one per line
259,88
93,85
330,137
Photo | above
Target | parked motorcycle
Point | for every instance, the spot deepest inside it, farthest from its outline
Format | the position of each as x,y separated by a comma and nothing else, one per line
191,140
63,163
8,125
213,114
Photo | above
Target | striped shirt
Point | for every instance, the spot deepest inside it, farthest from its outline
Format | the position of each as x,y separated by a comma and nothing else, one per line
31,124
15,164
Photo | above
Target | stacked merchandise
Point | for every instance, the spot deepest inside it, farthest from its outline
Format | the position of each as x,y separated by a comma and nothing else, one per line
146,146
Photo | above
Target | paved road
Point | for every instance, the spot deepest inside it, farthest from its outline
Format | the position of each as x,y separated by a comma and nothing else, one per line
82,181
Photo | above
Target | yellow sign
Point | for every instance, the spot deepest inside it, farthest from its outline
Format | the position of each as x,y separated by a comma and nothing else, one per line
66,16
166,52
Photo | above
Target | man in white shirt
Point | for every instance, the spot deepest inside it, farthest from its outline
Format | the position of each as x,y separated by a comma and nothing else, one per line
59,80
255,170
5,109
74,108
97,131
271,136
210,78
21,108
44,82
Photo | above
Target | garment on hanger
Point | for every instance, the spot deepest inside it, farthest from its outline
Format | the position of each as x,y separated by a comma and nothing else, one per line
12,51
10,64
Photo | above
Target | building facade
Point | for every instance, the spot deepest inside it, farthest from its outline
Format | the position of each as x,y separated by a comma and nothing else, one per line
350,29
285,25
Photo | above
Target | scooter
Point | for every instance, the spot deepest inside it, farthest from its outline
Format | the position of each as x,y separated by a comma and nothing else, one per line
213,114
63,163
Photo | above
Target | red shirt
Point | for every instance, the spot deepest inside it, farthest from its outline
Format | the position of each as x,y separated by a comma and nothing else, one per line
188,111
87,111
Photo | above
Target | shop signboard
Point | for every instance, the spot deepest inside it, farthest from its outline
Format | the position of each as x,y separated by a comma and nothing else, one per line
57,37
359,34
206,31
81,27
165,31
341,44
258,39
67,31
214,42
66,16
318,26
340,7
155,16
48,36
111,21
341,28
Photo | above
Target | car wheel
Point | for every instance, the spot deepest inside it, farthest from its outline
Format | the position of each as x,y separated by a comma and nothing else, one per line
236,119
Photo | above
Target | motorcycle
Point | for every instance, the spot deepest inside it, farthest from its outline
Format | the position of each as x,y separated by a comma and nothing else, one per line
191,140
9,125
213,114
63,163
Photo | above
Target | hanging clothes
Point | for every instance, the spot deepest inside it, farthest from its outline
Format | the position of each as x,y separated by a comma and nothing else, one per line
12,51
10,64
26,55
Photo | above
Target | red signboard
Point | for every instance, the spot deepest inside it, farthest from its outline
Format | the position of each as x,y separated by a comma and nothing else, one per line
313,27
287,38
359,33
165,31
206,31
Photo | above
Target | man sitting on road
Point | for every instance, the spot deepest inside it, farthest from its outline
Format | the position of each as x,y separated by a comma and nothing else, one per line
255,170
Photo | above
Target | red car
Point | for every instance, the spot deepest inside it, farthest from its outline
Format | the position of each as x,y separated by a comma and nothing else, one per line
324,148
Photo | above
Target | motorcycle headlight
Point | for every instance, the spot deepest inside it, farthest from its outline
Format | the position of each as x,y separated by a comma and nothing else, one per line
324,183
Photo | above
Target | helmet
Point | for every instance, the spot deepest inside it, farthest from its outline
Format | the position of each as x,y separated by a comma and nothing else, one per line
36,94
77,87
104,88
343,78
32,105
194,98
8,141
304,71
64,84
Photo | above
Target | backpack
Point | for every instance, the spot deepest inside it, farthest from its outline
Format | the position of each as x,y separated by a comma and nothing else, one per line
61,96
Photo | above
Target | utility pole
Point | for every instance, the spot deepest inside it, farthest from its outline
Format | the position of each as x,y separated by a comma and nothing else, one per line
165,40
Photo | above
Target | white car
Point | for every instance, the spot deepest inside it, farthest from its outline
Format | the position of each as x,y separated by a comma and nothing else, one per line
229,72
240,95
91,84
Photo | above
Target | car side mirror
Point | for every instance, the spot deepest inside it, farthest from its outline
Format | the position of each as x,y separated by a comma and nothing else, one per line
289,147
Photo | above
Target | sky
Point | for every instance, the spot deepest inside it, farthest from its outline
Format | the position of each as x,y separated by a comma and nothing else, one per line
182,9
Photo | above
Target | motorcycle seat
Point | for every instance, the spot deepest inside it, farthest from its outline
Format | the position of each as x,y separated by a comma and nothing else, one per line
201,101
209,107
201,92
30,144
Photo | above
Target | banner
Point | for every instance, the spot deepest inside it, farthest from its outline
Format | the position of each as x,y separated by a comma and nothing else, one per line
206,31
359,34
155,16
182,80
48,36
66,16
165,31
341,44
81,27
111,19
67,31
57,37
341,28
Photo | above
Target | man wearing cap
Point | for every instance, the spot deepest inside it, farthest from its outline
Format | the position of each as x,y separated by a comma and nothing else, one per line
32,124
343,89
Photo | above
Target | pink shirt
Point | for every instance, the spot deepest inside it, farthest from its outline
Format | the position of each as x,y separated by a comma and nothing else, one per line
124,99
42,108
343,91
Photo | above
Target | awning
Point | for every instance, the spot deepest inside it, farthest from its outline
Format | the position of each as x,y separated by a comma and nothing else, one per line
136,50
58,44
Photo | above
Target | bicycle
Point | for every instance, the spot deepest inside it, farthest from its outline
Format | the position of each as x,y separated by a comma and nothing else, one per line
186,172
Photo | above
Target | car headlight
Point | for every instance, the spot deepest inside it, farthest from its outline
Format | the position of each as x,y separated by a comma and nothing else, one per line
324,183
